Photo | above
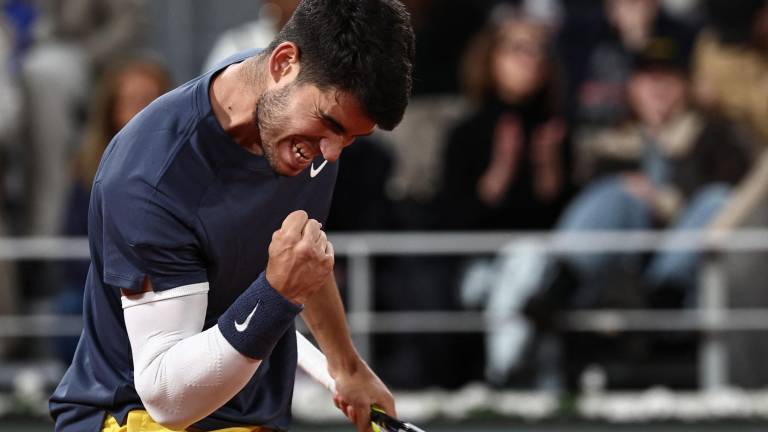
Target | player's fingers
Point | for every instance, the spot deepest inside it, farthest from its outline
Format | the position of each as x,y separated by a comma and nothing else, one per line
386,401
388,406
339,404
321,245
329,254
353,417
311,231
322,239
360,417
295,222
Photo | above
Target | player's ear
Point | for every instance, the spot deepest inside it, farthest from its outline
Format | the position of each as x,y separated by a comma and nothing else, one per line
284,62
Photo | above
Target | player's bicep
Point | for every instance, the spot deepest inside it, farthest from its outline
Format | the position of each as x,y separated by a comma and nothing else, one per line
159,317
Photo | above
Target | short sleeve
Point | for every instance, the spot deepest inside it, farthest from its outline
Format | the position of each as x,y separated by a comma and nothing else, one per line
146,233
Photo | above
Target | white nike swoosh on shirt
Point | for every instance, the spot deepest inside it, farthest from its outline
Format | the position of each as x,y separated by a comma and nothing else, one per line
244,325
314,172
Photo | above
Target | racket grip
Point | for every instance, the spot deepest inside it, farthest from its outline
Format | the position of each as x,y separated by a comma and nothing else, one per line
314,363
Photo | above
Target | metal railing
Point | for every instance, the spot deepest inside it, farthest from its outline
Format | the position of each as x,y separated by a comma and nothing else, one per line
711,317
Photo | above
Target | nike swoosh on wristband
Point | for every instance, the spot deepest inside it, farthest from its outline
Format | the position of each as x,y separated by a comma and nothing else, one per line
314,172
244,325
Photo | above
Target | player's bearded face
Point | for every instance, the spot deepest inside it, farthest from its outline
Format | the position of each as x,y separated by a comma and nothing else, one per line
299,122
270,115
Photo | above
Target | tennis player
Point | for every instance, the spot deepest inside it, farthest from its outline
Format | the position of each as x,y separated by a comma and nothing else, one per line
206,238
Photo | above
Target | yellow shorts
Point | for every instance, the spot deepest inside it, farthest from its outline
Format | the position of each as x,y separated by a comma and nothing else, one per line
140,421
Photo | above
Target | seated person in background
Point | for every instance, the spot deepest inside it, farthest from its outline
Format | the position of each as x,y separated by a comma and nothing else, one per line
504,165
668,166
597,53
123,91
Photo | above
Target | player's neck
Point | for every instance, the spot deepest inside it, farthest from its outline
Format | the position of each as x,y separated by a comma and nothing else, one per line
233,100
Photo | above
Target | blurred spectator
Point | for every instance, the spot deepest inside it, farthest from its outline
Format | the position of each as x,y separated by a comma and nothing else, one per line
669,166
504,165
443,31
598,48
20,16
731,62
731,76
124,89
75,39
273,15
10,111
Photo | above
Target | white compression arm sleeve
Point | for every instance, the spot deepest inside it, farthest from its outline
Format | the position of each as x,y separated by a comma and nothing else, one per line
181,374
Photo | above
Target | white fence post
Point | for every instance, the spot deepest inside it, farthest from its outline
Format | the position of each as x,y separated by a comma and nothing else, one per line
713,358
360,291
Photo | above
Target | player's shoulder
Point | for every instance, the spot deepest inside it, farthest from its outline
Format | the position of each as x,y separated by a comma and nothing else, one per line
169,118
168,123
158,132
167,147
153,156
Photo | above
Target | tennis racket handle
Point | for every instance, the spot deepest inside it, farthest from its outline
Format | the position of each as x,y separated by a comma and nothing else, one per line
314,363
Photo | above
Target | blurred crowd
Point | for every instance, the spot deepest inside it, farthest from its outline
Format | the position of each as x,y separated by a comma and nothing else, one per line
527,115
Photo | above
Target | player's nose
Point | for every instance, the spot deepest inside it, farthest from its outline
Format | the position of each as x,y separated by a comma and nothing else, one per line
331,148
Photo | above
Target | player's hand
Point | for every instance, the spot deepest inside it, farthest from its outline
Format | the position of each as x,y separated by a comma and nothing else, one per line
300,258
356,391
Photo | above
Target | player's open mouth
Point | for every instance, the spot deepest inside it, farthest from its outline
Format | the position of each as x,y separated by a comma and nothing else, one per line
302,153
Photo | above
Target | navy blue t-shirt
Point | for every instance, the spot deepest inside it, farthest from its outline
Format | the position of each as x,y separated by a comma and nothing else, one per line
177,200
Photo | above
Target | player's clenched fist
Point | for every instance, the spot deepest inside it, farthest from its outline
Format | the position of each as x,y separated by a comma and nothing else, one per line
300,257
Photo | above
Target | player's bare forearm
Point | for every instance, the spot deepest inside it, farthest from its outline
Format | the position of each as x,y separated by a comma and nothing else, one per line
325,317
357,387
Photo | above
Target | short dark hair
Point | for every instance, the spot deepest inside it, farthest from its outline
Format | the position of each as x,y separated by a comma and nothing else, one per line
363,47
